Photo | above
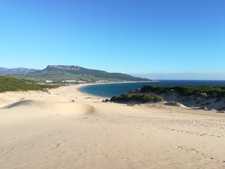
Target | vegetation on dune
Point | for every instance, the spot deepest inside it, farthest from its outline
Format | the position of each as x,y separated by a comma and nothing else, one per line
140,98
216,91
13,84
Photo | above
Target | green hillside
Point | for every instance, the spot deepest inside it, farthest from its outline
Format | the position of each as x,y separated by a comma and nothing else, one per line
13,84
59,73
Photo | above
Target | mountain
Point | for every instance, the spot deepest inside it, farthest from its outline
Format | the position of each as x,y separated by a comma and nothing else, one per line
16,70
60,72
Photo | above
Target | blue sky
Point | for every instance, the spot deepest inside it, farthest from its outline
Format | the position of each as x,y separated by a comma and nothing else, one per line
130,36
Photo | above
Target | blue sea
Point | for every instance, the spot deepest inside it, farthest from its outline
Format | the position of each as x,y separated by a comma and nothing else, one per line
114,89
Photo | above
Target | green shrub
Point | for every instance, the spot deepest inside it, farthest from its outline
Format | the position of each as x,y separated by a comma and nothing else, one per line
216,91
13,84
203,107
141,98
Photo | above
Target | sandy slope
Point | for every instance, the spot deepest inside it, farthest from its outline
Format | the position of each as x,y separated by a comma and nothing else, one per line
70,130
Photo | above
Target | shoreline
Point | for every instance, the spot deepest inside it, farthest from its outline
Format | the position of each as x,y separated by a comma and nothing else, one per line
83,85
87,84
200,101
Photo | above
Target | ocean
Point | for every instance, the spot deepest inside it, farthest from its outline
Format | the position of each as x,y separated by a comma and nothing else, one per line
114,89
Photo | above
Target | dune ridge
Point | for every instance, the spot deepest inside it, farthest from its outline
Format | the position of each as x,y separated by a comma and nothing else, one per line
65,108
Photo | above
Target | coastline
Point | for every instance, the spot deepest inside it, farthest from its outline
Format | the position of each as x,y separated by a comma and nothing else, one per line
70,129
87,84
90,84
77,88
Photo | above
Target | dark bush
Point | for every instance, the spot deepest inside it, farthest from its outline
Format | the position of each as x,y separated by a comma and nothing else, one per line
141,98
216,91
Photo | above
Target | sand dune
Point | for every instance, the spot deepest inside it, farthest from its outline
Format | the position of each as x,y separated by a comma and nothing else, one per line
67,129
58,107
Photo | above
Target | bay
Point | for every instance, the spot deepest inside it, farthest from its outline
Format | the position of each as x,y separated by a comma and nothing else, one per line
114,89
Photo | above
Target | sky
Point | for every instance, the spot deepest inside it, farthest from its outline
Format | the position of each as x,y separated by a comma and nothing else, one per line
148,37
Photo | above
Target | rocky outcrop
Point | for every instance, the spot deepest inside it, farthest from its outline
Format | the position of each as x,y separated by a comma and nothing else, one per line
63,67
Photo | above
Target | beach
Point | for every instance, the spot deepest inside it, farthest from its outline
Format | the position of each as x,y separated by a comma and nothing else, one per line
66,129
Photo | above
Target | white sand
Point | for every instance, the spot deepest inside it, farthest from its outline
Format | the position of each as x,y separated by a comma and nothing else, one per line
67,129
